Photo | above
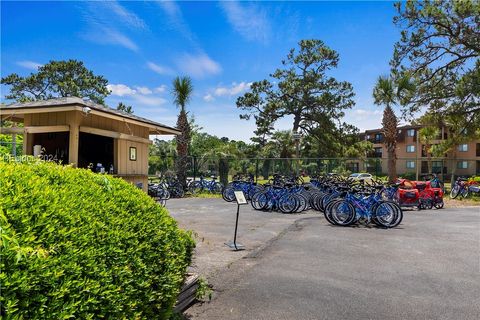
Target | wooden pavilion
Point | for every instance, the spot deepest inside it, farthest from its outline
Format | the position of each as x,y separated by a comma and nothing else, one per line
83,133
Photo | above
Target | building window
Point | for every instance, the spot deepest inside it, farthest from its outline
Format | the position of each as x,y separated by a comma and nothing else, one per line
463,147
378,137
353,167
411,133
368,137
437,166
478,149
411,148
462,164
410,164
378,152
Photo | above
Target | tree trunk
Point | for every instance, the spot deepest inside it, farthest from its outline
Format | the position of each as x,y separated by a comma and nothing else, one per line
266,168
392,166
454,166
183,141
429,158
389,123
296,122
223,168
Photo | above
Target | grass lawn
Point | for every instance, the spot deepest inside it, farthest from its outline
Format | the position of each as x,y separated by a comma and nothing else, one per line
204,194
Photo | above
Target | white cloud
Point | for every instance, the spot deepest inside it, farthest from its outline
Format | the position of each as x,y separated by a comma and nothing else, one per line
144,90
160,89
248,20
170,7
29,64
176,20
121,90
140,95
103,20
159,68
125,16
208,98
113,36
233,90
108,35
149,100
198,66
365,113
364,118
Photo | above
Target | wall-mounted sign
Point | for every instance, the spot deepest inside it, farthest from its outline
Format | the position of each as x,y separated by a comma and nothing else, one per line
133,154
240,197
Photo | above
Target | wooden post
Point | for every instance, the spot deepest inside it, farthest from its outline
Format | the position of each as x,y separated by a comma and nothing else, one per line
73,119
27,137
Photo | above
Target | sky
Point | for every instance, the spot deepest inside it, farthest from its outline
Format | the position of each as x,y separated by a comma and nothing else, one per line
140,46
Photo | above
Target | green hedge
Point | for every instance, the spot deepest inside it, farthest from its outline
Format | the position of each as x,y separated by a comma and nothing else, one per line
75,244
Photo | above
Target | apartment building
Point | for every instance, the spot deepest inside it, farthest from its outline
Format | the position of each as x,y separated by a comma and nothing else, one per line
412,154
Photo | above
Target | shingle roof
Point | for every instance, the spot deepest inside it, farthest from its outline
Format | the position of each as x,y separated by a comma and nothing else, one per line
57,102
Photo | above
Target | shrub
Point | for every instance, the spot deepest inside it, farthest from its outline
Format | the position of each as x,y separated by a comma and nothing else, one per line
81,245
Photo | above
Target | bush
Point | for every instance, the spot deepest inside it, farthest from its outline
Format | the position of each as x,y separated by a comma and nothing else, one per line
81,245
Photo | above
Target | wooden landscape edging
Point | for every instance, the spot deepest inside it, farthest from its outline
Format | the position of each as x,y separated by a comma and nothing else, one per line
187,293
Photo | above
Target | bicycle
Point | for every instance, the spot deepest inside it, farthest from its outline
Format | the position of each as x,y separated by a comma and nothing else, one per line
205,185
371,207
460,187
464,187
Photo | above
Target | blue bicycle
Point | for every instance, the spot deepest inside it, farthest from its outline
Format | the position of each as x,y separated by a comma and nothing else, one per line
201,185
360,206
249,188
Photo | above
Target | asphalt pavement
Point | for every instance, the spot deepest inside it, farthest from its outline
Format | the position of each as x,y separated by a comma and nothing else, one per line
304,268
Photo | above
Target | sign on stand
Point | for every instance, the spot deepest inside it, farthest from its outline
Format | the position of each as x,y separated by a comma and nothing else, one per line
240,198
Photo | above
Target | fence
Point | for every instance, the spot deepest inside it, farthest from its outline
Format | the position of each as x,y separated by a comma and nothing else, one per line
263,168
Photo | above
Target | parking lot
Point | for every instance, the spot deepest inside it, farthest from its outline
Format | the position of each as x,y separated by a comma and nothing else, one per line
300,267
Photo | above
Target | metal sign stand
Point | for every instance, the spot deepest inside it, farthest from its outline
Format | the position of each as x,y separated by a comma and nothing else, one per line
240,197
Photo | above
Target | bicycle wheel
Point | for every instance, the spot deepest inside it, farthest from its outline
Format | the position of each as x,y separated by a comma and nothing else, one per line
343,213
252,190
455,191
217,187
259,201
387,214
302,202
465,192
426,198
163,194
288,203
178,191
195,187
328,212
228,194
438,204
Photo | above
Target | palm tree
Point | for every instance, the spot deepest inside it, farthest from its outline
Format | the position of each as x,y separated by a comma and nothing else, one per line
389,93
427,135
182,92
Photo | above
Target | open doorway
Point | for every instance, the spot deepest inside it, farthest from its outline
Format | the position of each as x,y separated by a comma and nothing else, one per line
94,149
54,145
